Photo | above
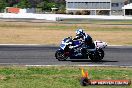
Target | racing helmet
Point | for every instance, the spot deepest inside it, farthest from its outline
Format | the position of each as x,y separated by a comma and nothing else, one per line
79,31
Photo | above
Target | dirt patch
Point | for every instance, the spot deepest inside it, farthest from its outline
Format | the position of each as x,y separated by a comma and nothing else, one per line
53,33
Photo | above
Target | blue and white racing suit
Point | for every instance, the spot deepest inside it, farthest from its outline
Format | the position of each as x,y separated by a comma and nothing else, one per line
86,39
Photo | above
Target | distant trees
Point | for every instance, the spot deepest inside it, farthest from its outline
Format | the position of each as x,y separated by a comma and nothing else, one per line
45,5
48,4
11,3
24,4
3,4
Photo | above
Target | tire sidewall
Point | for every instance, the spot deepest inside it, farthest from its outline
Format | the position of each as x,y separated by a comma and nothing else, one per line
58,53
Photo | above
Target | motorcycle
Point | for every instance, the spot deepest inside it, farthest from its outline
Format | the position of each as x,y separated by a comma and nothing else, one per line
67,50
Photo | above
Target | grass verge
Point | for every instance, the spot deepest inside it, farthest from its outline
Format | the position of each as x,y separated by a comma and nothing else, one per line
58,77
96,21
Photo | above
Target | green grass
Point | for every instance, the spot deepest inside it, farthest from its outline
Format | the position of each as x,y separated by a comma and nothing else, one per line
114,29
73,28
111,21
65,27
45,27
91,21
58,27
31,26
58,77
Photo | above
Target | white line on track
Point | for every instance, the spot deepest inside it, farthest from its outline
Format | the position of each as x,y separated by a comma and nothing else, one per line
90,65
20,44
77,65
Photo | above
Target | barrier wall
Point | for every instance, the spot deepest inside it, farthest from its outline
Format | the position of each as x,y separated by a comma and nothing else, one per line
57,17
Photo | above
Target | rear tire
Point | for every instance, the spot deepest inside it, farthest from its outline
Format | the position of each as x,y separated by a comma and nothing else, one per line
94,56
101,53
60,56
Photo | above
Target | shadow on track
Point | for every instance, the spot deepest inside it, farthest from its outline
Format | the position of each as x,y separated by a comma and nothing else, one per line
102,61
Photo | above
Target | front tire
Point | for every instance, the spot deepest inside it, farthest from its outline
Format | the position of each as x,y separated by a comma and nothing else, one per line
60,56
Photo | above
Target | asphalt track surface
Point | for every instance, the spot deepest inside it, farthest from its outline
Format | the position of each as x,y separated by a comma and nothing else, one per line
44,55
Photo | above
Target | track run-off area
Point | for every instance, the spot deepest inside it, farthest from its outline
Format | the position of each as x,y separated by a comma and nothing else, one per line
45,55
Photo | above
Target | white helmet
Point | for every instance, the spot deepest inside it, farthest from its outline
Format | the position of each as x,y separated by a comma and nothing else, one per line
79,31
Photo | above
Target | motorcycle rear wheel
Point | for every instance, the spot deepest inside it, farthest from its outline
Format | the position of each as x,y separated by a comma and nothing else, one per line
95,57
101,53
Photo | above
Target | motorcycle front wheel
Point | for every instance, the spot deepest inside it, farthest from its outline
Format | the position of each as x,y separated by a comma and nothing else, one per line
60,56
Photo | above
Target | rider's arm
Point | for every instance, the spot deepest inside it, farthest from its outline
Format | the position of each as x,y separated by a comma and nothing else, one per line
77,37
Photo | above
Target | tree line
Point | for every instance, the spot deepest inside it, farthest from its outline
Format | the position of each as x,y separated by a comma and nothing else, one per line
44,5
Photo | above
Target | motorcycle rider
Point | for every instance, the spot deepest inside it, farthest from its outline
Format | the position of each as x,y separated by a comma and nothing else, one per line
86,43
85,38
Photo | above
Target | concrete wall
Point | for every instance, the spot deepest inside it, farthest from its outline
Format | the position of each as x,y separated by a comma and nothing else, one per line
28,10
58,17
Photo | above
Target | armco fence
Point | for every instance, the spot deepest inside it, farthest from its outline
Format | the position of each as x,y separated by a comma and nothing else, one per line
58,17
